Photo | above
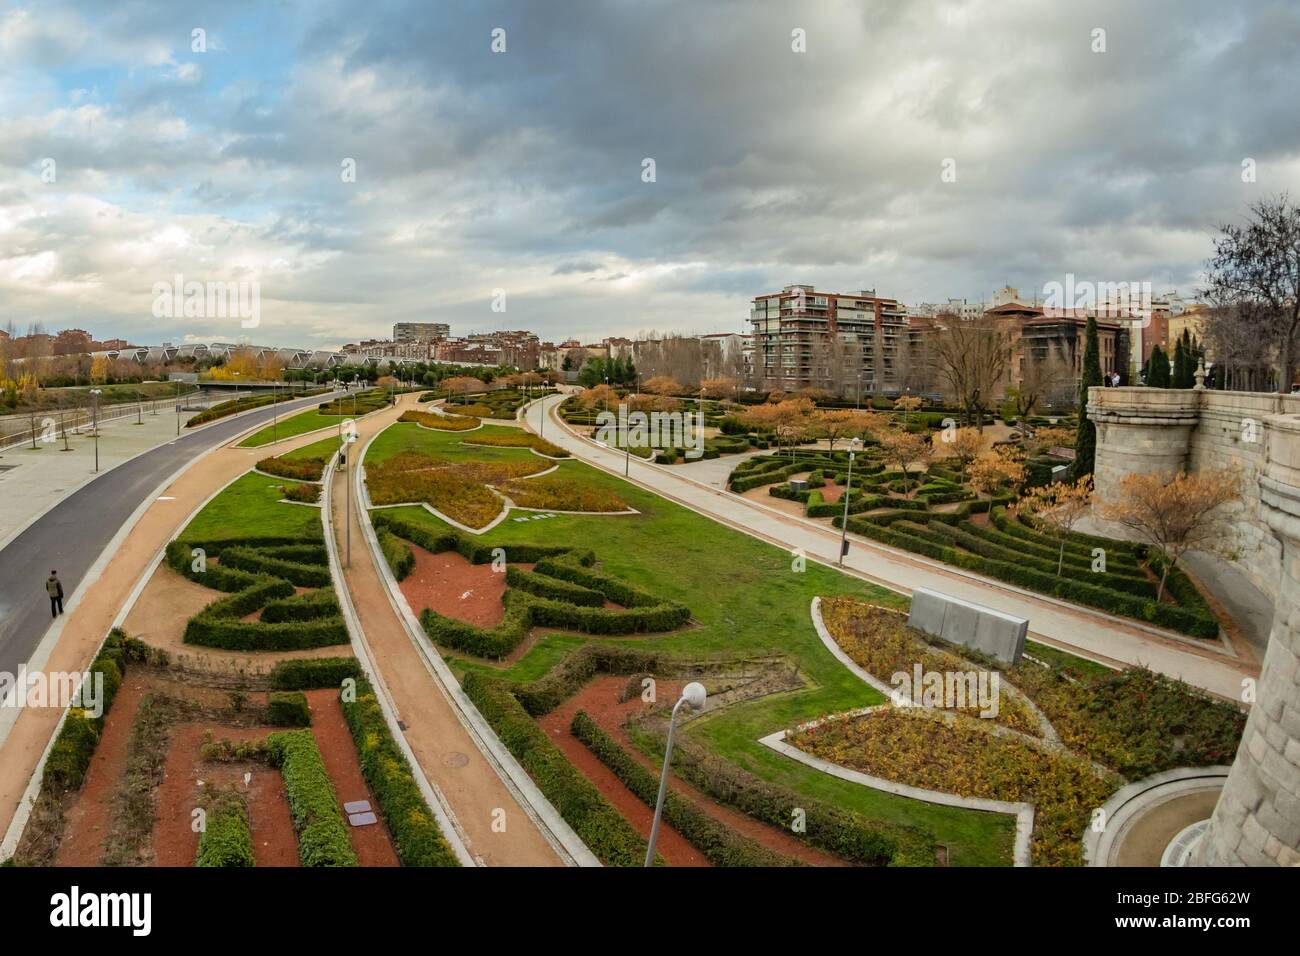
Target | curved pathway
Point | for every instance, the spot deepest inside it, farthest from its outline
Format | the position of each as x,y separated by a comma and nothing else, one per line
1077,629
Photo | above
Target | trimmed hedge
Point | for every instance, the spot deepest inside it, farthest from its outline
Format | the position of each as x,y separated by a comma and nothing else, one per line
398,554
73,749
313,804
542,585
416,835
307,606
304,673
601,827
299,469
718,842
288,708
1195,623
226,840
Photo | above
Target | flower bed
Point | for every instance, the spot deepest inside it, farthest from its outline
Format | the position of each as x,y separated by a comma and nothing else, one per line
901,745
442,423
518,439
880,642
562,494
299,469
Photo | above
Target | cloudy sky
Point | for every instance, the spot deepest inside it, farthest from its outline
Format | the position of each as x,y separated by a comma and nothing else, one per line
523,170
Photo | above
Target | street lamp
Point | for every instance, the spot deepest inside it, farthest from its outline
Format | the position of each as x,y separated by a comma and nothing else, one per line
94,404
694,696
848,490
178,408
348,438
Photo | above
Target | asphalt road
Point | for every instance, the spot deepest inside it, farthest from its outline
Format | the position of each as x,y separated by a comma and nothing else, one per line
71,536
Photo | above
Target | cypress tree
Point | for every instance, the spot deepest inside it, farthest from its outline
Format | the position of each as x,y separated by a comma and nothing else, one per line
1158,374
1085,444
1180,366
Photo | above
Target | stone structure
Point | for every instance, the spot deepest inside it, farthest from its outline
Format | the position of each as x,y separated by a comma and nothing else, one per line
990,632
1257,820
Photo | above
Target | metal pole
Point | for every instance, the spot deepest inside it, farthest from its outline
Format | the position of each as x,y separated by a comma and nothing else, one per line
178,408
844,524
347,521
95,400
663,787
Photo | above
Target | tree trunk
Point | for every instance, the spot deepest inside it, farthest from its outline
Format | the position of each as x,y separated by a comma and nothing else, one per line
1160,592
1060,557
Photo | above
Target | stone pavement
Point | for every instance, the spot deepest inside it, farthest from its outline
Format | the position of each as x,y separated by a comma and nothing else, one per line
1077,629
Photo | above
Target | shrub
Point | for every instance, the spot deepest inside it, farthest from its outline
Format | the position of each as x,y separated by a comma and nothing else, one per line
300,469
226,840
307,606
549,493
398,554
416,836
313,804
288,708
602,828
303,673
306,493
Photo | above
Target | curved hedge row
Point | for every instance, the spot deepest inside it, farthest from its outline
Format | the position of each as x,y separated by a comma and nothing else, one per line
416,835
313,804
299,469
261,573
718,842
307,672
601,827
1021,573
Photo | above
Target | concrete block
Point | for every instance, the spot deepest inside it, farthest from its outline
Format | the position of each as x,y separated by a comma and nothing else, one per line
1000,636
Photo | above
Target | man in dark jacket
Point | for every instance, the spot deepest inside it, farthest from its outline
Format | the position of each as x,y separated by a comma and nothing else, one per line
54,588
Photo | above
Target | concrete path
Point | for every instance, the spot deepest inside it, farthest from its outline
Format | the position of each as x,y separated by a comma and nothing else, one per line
444,749
70,645
1092,634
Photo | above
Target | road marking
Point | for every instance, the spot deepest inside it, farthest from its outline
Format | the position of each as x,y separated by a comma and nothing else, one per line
166,498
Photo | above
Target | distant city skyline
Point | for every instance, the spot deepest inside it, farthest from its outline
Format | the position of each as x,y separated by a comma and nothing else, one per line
368,165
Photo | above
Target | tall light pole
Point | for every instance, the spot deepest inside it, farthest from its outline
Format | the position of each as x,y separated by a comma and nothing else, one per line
178,408
348,438
94,405
694,696
848,489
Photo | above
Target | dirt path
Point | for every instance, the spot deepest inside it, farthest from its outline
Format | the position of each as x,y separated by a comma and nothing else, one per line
450,584
87,819
599,698
185,776
443,748
371,843
85,625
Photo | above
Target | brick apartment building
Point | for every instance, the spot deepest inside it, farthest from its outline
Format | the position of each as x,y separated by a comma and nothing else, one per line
843,342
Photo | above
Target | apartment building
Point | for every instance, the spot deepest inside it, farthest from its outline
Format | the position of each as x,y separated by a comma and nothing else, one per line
843,342
421,331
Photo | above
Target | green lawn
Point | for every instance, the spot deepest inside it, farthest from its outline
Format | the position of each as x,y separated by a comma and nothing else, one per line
748,601
300,424
250,504
325,448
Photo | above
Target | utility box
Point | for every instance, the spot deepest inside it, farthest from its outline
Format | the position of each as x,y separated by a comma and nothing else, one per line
1059,472
798,485
980,628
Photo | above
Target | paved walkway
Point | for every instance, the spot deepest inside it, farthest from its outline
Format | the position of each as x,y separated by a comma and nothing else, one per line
101,598
443,747
1078,629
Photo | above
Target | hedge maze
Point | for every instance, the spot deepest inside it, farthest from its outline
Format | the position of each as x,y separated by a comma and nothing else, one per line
934,514
261,574
563,590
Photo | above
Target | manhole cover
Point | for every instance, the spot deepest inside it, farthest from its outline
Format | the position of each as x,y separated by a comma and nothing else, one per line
455,759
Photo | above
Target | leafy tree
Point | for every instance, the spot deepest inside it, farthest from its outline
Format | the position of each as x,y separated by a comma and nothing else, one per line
1158,374
1059,506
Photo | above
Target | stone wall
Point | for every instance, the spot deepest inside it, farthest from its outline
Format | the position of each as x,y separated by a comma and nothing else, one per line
1165,430
1257,819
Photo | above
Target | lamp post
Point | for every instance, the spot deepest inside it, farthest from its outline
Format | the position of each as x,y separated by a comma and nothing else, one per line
848,490
94,405
694,696
178,408
348,438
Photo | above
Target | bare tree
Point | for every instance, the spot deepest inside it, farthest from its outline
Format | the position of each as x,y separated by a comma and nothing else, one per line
971,357
1257,265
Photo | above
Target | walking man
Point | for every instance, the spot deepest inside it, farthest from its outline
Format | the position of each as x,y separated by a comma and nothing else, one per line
54,588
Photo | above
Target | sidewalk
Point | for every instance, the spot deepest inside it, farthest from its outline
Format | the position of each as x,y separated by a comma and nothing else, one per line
33,480
1093,635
